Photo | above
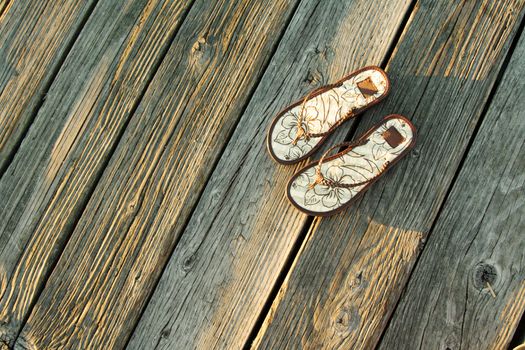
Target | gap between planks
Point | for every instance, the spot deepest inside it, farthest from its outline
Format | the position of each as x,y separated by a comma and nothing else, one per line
481,71
275,26
54,71
310,220
344,66
484,112
469,270
214,165
134,107
3,7
156,62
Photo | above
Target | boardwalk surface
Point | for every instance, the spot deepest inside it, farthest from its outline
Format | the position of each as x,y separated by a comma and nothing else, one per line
139,208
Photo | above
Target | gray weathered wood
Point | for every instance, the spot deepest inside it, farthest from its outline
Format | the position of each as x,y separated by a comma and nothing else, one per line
236,243
123,238
478,239
70,141
34,38
3,7
352,268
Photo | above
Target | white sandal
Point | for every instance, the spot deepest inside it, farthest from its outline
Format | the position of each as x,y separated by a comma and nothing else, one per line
333,183
301,128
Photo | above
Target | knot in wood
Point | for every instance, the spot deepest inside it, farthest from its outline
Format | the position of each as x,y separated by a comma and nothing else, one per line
198,44
325,53
188,263
356,281
485,273
346,320
165,333
313,79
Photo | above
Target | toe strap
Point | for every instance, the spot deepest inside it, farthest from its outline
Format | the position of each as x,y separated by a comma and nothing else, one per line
320,179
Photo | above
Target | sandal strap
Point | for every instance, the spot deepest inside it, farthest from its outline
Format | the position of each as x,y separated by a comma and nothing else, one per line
302,133
320,179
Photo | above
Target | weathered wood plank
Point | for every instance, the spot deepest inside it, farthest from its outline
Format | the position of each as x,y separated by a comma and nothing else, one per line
45,189
34,37
353,266
478,239
123,238
236,243
3,7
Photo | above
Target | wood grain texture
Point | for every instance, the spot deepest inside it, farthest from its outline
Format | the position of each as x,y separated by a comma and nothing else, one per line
238,239
478,239
3,7
352,268
34,37
70,141
124,236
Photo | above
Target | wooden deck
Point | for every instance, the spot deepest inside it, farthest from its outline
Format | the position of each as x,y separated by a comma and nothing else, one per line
139,208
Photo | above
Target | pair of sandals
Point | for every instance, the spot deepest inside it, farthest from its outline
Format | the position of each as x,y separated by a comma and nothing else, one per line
327,186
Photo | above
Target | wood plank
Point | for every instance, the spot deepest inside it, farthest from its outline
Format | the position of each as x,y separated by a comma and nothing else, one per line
353,266
478,239
34,37
3,7
123,238
237,241
71,140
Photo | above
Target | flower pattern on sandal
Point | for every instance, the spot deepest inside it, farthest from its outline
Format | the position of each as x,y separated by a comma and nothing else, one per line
362,163
321,113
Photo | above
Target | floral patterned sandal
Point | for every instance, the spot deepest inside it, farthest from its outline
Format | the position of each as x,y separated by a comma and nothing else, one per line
333,183
301,128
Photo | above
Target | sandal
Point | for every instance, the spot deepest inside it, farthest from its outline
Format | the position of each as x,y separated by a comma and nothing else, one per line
301,128
328,186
